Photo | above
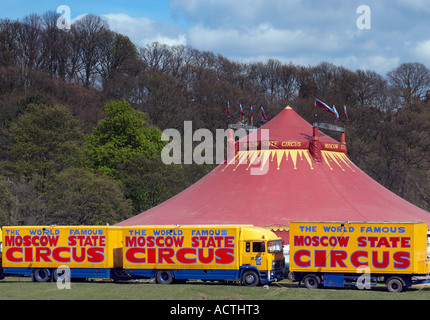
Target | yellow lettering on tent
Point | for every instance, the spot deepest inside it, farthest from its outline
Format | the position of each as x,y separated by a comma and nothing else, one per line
261,158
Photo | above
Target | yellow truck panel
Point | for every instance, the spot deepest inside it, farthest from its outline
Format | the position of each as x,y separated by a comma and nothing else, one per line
336,254
52,246
345,247
201,252
184,247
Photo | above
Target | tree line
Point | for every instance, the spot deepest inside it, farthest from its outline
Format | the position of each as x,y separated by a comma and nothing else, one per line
82,111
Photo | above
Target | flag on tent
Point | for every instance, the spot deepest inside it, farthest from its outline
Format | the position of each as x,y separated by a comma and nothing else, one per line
336,114
263,114
241,111
228,109
346,113
320,104
251,116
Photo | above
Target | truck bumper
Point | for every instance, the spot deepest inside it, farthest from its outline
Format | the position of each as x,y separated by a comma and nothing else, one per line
271,276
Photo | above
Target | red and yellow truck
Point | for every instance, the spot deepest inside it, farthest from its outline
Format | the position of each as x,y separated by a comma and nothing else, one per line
37,251
167,253
337,254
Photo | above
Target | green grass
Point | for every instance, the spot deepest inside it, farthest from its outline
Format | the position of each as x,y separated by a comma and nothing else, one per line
14,288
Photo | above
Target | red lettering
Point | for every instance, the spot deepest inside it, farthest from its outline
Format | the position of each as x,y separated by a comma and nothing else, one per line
130,241
372,241
203,259
88,242
343,241
405,242
181,255
56,254
165,254
72,241
150,241
179,241
158,241
324,241
298,258
361,241
81,240
102,241
9,241
383,242
203,240
224,255
27,241
385,259
320,258
315,241
75,256
229,242
130,255
195,242
355,258
394,241
211,242
42,254
402,260
152,256
9,254
95,254
337,257
28,254
298,241
218,241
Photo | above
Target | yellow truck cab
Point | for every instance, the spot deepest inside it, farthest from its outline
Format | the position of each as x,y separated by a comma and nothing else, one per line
250,254
261,250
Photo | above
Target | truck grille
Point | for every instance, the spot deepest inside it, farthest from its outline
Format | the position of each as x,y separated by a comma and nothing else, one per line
278,264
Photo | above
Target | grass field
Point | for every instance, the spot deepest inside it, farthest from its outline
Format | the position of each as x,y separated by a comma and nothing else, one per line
19,288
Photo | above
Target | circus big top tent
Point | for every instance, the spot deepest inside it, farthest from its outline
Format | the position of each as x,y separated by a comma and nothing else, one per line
295,174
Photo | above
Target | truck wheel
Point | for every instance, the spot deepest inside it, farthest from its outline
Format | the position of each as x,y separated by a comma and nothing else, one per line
395,284
164,277
41,275
311,281
250,278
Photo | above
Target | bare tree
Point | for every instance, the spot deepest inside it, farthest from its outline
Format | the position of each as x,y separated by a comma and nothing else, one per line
411,80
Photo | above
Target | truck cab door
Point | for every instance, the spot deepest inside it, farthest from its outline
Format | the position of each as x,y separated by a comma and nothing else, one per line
254,254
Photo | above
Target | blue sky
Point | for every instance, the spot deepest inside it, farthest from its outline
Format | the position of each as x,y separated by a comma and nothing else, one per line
304,32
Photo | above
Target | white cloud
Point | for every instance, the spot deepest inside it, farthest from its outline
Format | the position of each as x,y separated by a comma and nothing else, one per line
143,30
301,31
422,51
263,39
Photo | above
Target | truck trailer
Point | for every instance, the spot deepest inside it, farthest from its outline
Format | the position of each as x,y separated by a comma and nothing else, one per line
362,254
37,251
169,254
250,254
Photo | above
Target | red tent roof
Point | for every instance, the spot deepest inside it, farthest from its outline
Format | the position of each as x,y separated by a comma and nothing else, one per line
289,177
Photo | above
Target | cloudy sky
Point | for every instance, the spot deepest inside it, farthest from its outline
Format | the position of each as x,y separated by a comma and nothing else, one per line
379,36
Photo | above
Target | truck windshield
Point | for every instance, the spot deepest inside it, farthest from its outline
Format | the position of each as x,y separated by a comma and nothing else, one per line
274,246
